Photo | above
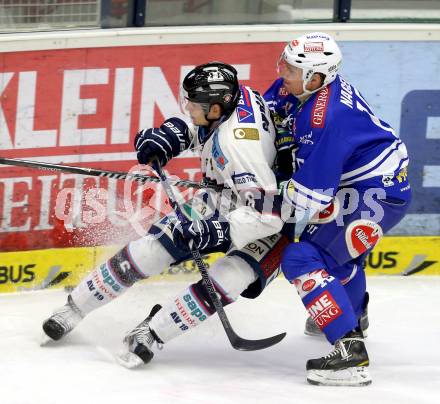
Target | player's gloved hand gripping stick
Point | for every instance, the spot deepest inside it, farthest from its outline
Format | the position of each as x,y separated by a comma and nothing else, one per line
236,341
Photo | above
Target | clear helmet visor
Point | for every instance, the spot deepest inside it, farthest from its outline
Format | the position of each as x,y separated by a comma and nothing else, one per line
285,69
191,108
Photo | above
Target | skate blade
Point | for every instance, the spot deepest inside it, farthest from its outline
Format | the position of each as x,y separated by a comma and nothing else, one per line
129,360
45,340
355,376
314,333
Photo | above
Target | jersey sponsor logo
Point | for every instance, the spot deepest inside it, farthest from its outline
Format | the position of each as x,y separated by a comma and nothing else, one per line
283,141
272,261
307,139
247,133
109,279
307,283
178,321
310,47
103,289
324,309
402,176
185,315
244,179
282,92
387,180
362,235
90,285
194,308
319,109
257,249
218,154
328,214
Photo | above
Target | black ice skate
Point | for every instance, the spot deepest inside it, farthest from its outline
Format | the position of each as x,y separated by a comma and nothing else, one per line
346,365
139,342
312,329
62,321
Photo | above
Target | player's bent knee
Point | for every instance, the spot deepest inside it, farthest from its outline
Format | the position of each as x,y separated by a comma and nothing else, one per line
232,275
299,259
147,256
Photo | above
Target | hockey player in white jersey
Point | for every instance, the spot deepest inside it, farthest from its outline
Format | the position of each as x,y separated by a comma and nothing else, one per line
233,129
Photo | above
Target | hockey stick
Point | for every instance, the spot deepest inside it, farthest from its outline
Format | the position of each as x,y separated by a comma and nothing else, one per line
119,175
237,342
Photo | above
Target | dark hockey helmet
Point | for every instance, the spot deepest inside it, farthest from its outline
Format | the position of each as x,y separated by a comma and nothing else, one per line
212,83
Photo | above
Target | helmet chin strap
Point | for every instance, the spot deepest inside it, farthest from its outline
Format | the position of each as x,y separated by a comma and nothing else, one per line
307,93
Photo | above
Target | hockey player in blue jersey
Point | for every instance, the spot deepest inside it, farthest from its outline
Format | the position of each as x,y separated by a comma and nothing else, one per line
350,179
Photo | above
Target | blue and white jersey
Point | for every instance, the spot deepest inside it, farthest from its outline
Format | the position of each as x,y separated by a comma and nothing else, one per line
282,106
341,144
239,154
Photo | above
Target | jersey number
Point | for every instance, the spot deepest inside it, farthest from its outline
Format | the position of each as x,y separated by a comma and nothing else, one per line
366,108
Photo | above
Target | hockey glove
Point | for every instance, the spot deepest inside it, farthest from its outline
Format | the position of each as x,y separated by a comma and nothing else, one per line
163,143
204,234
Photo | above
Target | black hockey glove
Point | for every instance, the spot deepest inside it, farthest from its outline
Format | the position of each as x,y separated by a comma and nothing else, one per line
204,233
163,143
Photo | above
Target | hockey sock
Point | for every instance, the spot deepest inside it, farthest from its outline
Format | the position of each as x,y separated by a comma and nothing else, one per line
187,310
106,282
327,303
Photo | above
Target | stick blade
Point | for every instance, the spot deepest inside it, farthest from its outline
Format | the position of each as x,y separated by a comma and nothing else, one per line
242,344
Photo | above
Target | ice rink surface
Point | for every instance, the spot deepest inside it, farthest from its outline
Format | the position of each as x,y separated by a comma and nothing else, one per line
201,367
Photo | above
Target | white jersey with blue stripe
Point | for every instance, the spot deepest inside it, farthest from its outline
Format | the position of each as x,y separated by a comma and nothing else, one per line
239,154
341,143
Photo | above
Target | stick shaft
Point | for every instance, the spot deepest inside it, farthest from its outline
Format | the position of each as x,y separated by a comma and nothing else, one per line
236,341
118,175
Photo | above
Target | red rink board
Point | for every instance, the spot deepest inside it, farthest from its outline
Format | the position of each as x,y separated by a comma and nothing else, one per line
83,107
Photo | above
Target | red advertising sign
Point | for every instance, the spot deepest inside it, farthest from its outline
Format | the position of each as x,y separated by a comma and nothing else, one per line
83,107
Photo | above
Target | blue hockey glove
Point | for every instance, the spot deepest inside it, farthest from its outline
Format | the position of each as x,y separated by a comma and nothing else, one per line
162,143
204,233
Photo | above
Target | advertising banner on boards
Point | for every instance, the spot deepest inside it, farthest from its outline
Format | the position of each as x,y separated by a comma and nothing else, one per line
83,107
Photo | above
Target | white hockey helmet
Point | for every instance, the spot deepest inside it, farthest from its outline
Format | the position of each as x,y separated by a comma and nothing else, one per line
315,52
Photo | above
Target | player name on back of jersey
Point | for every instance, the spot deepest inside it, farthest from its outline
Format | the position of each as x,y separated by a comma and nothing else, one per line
346,93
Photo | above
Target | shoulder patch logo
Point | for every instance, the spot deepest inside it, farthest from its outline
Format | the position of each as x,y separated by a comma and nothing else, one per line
244,115
247,133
